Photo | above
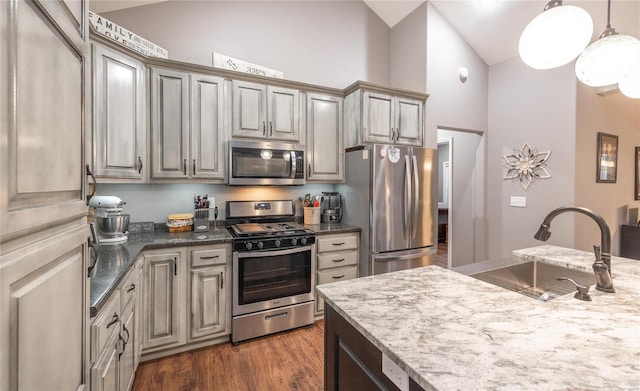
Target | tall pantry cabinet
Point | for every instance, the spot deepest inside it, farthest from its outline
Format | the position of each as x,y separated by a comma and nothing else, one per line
44,112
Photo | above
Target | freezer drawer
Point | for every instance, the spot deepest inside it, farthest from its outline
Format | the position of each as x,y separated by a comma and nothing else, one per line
401,260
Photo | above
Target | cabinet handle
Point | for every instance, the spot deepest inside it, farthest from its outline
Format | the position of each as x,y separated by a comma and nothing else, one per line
393,134
337,277
184,166
338,244
139,165
175,266
131,288
124,344
270,128
114,320
309,171
264,128
338,260
95,262
124,328
95,183
211,257
194,167
221,280
397,134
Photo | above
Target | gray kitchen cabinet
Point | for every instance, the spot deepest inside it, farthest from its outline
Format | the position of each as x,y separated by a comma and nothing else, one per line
163,306
336,260
325,138
44,113
376,114
265,112
119,115
114,338
187,129
105,346
209,292
169,123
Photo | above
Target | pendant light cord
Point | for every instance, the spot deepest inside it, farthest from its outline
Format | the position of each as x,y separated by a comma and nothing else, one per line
609,14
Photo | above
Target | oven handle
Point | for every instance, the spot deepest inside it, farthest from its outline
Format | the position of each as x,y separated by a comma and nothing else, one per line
269,253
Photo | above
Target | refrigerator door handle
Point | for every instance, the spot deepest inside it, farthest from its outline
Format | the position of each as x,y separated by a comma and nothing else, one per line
406,210
416,197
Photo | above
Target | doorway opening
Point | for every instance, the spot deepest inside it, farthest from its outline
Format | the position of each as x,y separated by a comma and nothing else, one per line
461,197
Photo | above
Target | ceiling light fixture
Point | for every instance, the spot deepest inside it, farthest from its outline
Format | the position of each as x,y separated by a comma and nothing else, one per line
630,84
556,36
609,59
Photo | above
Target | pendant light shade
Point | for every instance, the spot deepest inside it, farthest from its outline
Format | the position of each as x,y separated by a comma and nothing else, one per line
609,59
556,36
630,85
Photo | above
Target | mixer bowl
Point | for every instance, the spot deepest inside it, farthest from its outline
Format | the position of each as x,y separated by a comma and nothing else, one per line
113,226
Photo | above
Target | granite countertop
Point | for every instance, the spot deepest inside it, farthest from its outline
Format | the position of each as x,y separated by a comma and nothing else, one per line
449,331
114,260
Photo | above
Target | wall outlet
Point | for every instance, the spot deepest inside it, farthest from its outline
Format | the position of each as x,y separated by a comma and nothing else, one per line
519,202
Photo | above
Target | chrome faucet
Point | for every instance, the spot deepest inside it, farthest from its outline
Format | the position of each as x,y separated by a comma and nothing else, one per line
605,241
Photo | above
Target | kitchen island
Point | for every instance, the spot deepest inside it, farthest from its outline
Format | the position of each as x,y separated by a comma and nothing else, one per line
448,331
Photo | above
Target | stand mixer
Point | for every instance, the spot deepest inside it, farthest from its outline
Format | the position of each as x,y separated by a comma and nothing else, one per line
110,226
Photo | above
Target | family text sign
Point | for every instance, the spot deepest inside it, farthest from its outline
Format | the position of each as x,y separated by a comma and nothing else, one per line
107,28
226,62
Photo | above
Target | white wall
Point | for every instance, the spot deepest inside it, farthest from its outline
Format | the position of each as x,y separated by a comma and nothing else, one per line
409,52
330,43
618,115
537,108
453,104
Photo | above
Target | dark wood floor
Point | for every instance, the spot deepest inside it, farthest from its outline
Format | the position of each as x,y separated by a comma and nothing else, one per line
293,360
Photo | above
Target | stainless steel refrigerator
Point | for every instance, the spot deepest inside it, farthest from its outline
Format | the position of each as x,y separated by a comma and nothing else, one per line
391,193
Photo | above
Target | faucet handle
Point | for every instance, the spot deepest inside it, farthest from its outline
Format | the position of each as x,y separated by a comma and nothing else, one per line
598,252
582,290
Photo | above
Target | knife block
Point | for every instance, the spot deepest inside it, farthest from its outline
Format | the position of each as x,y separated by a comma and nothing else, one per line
201,220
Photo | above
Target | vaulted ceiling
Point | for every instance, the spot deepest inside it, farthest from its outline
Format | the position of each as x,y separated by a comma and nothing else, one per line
491,27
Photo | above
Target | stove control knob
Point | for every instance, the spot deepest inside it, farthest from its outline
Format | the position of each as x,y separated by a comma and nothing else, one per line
294,241
248,245
303,241
260,245
276,243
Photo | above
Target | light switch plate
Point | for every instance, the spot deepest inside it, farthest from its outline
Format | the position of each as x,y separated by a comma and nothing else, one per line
519,202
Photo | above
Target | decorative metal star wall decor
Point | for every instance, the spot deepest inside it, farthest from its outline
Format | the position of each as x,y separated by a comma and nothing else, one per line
527,165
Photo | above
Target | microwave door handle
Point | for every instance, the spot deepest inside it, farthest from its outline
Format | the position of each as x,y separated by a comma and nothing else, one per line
294,164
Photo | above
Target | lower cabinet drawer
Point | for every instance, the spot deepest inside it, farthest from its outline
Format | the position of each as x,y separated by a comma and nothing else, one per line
332,260
107,320
337,274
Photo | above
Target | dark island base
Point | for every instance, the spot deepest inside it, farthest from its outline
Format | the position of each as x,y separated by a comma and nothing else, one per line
351,362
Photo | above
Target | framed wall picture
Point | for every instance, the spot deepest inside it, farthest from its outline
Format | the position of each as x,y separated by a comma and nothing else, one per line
607,158
637,180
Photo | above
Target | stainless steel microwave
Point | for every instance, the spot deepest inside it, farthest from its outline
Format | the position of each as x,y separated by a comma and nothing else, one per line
265,163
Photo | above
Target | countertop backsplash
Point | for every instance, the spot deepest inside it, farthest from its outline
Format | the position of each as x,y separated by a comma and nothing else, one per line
154,202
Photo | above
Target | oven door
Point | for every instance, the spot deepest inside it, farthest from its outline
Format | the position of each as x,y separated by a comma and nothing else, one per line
271,279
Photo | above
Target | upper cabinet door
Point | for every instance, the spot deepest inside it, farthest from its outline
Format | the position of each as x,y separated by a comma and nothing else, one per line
169,123
378,118
325,142
119,114
207,131
44,105
283,114
409,119
249,111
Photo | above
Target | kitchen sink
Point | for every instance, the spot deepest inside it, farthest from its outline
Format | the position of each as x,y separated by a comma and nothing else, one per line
533,279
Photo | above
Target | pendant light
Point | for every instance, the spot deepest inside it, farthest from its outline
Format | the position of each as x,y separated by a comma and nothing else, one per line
610,58
556,36
630,84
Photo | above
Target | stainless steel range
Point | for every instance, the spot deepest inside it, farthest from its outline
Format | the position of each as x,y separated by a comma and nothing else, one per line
272,268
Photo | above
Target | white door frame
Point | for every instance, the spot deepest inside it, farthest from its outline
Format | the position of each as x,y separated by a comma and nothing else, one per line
448,141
